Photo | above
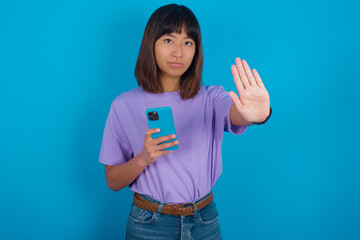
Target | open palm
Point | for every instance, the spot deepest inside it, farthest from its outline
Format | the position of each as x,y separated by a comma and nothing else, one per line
253,102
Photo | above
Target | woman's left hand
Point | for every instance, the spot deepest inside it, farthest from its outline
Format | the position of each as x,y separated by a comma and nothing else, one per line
253,103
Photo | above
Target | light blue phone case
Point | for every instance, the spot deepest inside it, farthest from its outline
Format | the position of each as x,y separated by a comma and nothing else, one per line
162,118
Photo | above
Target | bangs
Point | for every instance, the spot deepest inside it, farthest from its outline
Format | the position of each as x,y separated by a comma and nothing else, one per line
175,19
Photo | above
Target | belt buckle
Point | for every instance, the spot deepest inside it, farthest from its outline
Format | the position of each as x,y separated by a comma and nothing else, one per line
181,209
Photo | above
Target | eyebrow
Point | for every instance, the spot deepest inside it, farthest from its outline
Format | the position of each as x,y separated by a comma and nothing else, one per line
172,35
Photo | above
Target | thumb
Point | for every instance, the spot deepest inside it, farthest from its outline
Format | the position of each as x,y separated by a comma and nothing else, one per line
234,97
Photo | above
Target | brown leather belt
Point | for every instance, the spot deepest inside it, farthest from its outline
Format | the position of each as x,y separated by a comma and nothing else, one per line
173,209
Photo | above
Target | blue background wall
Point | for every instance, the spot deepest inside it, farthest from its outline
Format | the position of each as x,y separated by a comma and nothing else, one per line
63,62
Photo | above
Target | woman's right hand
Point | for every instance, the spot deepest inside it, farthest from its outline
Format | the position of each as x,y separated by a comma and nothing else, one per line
151,150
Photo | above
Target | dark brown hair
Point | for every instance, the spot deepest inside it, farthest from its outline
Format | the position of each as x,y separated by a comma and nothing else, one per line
167,19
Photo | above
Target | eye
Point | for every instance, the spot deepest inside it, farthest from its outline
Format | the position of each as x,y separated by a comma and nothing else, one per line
188,43
168,40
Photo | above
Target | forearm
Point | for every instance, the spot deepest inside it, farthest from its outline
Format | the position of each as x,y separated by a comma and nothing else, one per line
120,176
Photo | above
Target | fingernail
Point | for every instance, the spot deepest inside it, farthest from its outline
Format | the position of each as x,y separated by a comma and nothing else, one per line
173,136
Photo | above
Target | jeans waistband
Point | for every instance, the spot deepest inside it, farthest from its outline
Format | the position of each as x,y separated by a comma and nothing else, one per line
158,202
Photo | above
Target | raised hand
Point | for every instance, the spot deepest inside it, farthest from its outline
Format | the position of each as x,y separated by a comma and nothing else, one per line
253,102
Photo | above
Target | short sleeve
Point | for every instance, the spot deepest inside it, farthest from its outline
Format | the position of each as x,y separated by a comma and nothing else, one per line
115,147
222,105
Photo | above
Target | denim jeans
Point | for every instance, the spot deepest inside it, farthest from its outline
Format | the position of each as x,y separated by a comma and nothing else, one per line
143,224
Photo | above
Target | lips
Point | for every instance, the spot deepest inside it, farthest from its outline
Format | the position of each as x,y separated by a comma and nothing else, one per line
176,64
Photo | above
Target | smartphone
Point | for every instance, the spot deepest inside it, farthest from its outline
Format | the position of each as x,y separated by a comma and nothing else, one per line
162,118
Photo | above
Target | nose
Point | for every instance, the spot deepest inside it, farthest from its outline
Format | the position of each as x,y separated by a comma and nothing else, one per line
177,51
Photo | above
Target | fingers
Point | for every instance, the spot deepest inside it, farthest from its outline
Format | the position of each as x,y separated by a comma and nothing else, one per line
156,141
159,140
149,132
245,73
166,145
237,80
242,73
248,73
259,82
163,139
160,153
236,100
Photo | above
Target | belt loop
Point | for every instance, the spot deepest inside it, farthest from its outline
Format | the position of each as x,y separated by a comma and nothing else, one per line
195,209
161,204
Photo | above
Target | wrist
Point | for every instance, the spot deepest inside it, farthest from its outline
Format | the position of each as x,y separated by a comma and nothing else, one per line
267,118
140,161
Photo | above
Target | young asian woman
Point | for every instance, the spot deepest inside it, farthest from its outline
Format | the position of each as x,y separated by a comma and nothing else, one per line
173,196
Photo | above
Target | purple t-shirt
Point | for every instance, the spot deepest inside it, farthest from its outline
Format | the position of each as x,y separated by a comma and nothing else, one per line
188,173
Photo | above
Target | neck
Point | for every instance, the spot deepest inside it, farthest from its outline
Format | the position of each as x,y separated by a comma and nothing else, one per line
170,84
